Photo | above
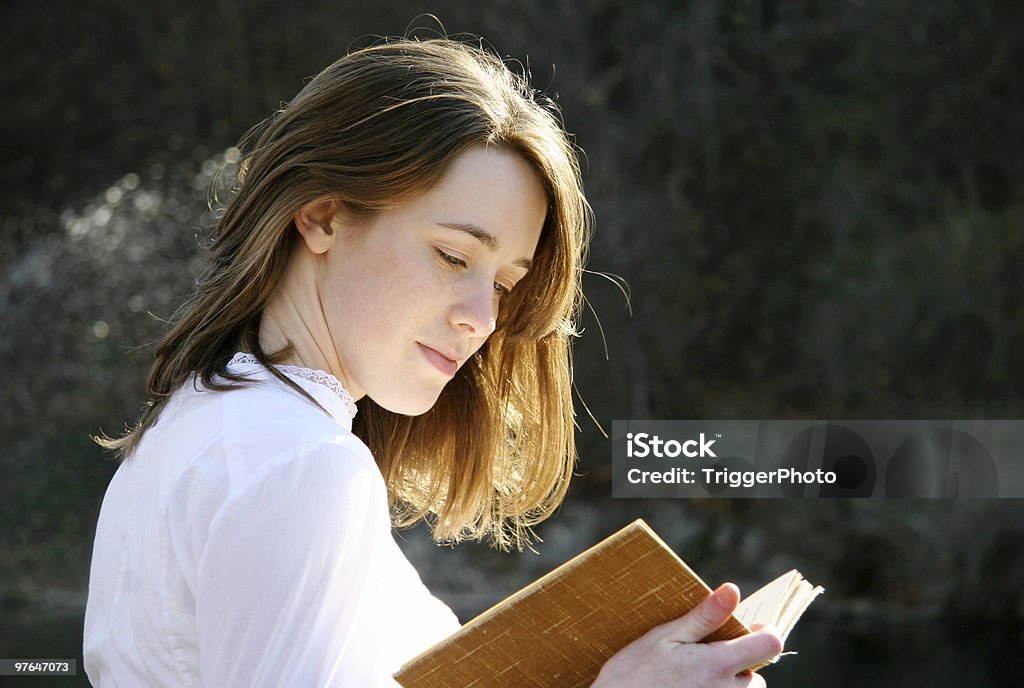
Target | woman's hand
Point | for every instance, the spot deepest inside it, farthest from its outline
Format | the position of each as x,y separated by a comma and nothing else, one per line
672,654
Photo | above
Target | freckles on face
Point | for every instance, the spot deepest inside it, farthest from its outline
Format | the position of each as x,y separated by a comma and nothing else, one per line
412,293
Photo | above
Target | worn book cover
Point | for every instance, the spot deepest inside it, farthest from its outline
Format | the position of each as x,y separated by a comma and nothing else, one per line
559,631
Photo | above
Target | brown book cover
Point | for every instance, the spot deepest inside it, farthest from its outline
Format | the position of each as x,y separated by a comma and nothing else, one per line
560,630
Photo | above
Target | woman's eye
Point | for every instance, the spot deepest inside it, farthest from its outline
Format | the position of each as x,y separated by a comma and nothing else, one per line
453,261
501,289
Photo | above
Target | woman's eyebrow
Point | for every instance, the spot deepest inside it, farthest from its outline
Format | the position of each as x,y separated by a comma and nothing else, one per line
484,237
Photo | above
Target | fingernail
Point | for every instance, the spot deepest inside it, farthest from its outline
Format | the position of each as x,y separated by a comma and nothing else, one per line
772,630
723,592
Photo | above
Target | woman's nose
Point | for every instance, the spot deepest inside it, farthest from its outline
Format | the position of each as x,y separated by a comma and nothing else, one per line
476,309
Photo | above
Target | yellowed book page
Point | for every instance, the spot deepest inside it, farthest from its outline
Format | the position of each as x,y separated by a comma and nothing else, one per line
802,595
779,603
761,606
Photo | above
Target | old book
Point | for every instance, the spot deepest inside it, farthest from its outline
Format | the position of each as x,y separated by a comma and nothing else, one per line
558,631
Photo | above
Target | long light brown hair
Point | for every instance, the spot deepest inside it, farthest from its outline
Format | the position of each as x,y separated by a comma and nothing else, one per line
495,453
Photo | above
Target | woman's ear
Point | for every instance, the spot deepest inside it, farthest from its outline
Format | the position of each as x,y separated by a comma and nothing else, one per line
315,222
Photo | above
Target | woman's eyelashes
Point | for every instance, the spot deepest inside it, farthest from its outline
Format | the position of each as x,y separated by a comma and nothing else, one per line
449,259
453,262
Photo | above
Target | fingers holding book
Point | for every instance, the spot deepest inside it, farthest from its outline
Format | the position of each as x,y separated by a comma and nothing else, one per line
704,619
672,654
626,612
758,648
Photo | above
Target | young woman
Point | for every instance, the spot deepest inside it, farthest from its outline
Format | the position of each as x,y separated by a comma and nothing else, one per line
408,233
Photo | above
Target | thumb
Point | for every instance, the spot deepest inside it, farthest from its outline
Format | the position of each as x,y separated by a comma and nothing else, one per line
703,619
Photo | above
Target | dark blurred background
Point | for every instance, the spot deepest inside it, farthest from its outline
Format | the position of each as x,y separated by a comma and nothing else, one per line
817,207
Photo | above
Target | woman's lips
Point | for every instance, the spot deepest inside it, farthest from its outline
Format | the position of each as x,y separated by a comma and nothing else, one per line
444,364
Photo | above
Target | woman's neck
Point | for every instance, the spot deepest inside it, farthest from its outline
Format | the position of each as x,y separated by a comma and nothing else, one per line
293,319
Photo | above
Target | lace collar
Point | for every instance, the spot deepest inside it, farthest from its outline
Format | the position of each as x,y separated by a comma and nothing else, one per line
318,376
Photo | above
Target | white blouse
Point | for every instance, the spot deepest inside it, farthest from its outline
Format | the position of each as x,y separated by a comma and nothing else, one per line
247,543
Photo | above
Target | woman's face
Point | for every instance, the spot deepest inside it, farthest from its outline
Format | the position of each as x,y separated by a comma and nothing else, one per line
411,293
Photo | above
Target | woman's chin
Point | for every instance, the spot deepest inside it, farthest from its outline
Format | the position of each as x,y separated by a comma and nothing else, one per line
407,405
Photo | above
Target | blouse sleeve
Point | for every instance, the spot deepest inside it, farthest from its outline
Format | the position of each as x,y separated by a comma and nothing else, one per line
285,576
